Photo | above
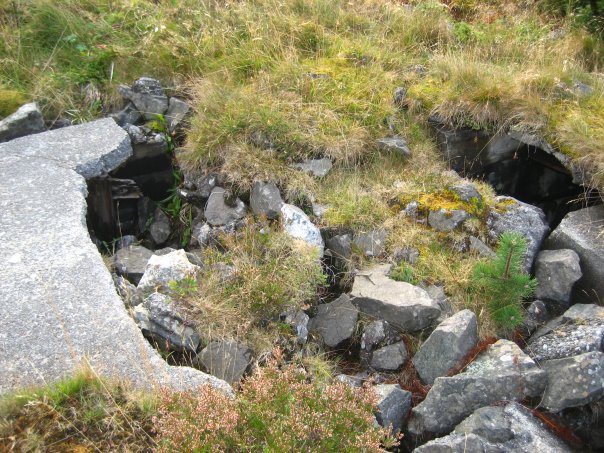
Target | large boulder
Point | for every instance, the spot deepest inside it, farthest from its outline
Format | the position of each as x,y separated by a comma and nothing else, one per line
148,97
581,231
218,212
131,262
503,372
450,342
556,272
573,381
509,428
335,322
579,330
26,120
265,200
521,218
159,319
403,305
162,270
298,225
393,406
225,359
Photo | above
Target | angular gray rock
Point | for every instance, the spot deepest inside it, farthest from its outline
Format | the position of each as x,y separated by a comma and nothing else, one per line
581,231
160,229
536,315
444,220
26,120
573,381
503,372
335,322
58,304
480,247
200,234
265,200
159,319
450,342
394,144
556,272
509,428
219,213
298,225
393,406
131,262
376,336
162,270
227,360
340,247
176,114
127,291
520,218
403,305
372,243
466,191
298,320
147,95
316,167
389,358
580,329
128,115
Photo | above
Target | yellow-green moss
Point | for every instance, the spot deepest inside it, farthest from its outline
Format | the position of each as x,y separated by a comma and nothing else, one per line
10,101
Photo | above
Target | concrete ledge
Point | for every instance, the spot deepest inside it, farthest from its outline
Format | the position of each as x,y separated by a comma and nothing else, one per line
58,305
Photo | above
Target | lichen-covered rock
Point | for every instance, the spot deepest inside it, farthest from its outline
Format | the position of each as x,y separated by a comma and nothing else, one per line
556,272
573,381
159,319
521,218
335,322
389,358
298,225
265,200
147,95
403,305
394,144
393,406
163,269
26,120
446,346
503,372
131,262
581,231
227,360
444,220
580,329
219,213
466,191
372,243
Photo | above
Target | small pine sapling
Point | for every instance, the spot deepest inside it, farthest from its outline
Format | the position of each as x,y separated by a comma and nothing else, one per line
503,284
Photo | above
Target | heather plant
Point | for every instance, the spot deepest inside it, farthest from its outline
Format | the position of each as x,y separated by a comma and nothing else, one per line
276,410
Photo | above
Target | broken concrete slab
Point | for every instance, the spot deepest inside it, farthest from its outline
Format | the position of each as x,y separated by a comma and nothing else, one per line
59,309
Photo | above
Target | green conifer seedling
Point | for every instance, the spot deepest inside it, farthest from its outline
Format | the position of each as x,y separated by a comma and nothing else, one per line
503,284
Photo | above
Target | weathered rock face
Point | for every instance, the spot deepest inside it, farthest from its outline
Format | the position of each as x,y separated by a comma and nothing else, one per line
393,406
298,320
580,231
466,191
505,429
579,330
443,220
265,200
340,247
556,272
219,213
403,305
316,167
573,381
148,97
26,120
389,358
372,243
176,114
58,305
226,360
503,372
376,336
446,346
160,229
523,219
158,318
298,225
394,144
161,270
335,322
131,262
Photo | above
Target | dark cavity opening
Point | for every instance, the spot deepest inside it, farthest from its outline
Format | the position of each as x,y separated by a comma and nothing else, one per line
523,167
